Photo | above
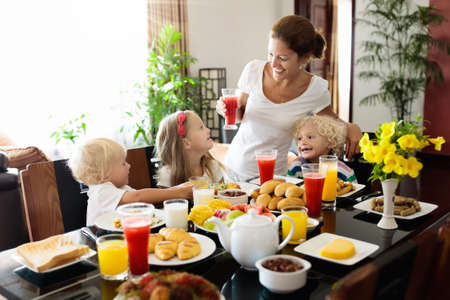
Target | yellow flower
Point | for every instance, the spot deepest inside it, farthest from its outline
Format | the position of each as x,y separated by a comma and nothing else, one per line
413,166
369,154
400,168
424,143
364,142
387,130
390,162
408,142
382,150
437,142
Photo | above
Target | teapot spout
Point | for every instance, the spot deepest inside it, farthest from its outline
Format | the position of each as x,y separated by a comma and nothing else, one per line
223,231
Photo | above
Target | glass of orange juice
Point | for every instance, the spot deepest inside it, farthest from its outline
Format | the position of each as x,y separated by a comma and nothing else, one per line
299,215
199,180
112,256
329,187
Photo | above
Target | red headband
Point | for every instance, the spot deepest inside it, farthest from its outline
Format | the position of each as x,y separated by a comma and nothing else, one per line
181,118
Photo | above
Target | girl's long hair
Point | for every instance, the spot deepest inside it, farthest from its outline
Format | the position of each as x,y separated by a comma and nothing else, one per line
170,150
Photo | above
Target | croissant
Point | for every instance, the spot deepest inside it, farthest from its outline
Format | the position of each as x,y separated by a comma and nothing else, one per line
174,234
153,240
188,249
280,189
165,250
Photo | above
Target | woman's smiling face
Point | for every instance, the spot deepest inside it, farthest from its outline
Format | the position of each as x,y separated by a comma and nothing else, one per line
284,62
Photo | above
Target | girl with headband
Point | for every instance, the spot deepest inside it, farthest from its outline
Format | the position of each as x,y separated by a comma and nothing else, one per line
183,143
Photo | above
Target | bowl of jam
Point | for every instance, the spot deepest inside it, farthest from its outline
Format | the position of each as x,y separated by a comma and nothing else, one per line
234,196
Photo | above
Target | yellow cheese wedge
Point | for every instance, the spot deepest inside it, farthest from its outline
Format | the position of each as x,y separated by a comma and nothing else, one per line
338,249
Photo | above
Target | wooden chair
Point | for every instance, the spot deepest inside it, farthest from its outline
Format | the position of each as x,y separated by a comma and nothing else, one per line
142,169
400,273
54,202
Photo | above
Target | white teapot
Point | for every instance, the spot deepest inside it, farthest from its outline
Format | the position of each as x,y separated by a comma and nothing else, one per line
251,237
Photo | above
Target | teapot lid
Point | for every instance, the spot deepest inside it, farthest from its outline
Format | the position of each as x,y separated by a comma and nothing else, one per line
252,219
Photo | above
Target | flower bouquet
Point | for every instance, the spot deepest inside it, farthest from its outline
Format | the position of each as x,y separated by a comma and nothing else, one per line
393,153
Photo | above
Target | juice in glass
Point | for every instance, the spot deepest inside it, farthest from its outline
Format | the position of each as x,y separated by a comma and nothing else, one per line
203,180
299,215
329,187
266,164
112,256
313,189
230,99
202,194
137,230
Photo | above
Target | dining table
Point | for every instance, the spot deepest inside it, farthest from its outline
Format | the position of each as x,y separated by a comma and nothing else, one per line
83,281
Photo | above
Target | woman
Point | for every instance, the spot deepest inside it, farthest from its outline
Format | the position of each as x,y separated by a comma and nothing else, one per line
276,93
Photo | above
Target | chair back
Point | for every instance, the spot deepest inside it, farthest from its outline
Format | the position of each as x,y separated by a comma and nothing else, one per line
142,169
54,201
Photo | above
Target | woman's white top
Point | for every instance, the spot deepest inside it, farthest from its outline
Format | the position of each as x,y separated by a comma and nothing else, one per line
267,125
164,174
103,198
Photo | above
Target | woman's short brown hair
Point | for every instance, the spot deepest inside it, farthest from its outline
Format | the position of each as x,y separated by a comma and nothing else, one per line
299,35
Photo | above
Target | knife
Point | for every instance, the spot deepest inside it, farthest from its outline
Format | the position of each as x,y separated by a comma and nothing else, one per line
367,196
89,234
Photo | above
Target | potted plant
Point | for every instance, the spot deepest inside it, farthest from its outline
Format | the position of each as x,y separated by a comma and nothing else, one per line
167,88
393,156
396,55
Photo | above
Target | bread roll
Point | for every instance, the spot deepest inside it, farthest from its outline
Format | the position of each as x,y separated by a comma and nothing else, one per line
280,189
51,252
153,240
269,186
165,250
188,249
174,234
291,201
255,194
273,204
263,199
294,191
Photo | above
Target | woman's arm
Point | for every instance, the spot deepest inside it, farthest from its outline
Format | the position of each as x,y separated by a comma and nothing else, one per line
354,133
242,103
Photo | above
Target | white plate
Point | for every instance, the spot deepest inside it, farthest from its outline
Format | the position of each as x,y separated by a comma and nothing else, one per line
106,221
21,261
313,246
294,180
206,230
358,187
426,208
248,187
208,247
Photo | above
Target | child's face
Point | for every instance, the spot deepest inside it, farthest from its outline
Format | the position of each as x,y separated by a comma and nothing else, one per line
119,174
198,137
311,144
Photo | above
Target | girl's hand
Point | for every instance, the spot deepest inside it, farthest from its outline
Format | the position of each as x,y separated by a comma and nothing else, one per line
354,134
220,107
185,190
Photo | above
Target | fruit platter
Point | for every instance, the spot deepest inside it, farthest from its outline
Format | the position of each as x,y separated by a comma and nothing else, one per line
224,211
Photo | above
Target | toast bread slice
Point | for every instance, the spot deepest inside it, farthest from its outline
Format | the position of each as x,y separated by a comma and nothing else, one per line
51,252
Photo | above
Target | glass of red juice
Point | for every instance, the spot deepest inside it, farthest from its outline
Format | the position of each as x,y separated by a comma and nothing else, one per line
230,99
314,179
136,219
266,164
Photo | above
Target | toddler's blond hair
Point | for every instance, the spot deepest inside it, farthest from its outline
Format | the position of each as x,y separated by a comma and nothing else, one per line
328,127
93,161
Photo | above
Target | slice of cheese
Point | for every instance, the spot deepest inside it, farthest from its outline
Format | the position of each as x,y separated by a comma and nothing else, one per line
338,249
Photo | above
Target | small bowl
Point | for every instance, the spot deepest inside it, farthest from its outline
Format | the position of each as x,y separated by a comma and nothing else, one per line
283,282
243,198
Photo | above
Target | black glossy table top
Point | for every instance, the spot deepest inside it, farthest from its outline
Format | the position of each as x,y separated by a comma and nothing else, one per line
237,283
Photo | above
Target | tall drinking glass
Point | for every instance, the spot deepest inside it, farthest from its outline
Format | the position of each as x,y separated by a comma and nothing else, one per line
329,187
314,180
203,194
136,219
230,99
266,164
